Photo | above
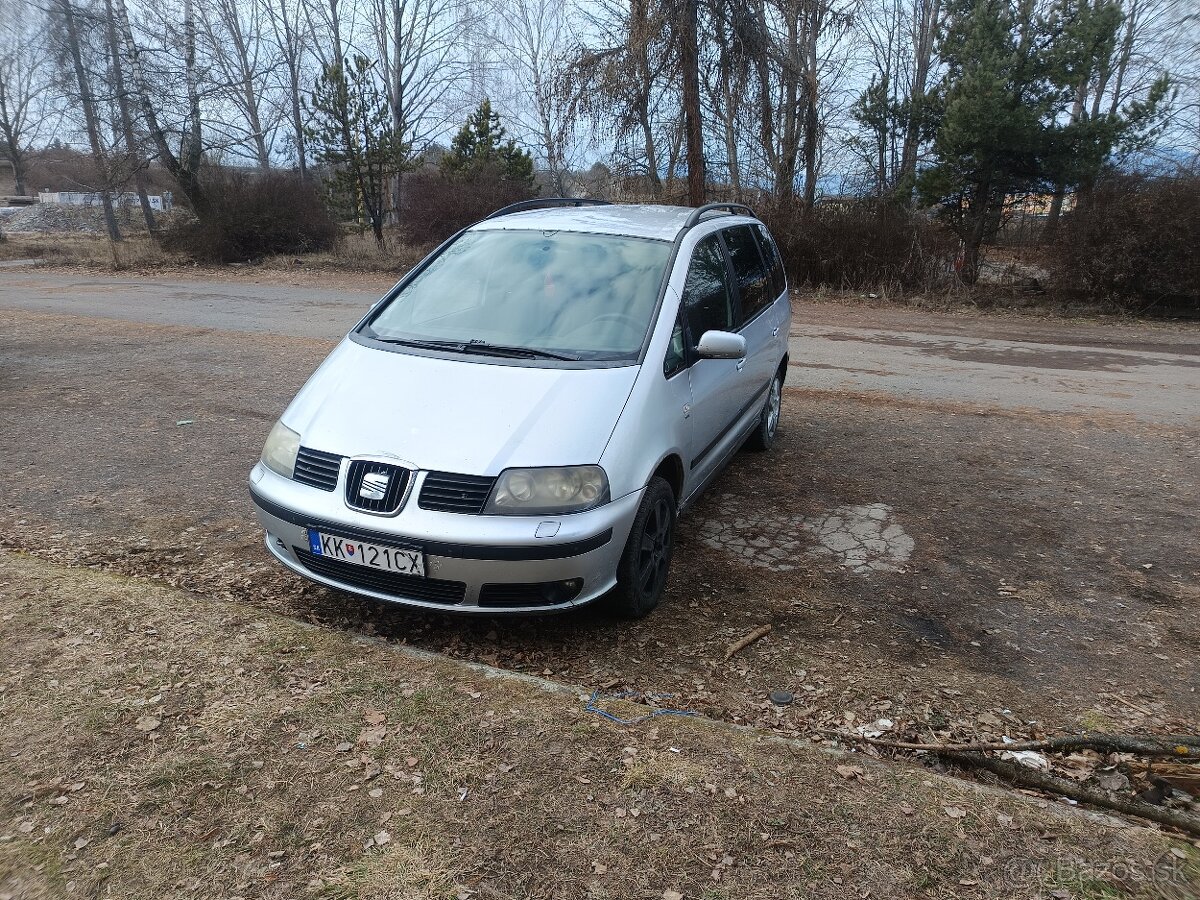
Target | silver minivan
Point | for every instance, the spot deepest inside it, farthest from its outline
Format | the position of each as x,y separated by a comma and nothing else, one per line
517,424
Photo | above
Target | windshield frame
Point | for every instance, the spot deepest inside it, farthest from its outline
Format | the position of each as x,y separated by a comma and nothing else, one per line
362,333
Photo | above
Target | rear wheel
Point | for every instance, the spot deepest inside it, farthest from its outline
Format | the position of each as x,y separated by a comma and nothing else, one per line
764,433
642,571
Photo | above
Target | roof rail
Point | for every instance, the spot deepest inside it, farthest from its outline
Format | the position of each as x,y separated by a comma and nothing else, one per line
732,208
540,202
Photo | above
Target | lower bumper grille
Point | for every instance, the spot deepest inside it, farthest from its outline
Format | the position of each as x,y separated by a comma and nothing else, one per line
545,593
412,587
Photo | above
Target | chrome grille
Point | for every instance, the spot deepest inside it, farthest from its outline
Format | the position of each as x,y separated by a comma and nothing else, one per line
376,487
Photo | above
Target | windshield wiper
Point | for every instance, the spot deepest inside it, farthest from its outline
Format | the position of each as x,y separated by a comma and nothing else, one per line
420,342
523,352
482,348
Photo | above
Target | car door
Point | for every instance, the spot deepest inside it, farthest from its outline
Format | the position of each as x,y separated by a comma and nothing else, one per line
717,393
759,321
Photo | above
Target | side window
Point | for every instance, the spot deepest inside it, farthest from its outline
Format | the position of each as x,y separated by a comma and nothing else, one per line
748,269
774,261
707,299
676,358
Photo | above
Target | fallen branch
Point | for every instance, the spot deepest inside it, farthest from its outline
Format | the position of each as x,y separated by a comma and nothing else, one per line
1053,784
739,645
1172,746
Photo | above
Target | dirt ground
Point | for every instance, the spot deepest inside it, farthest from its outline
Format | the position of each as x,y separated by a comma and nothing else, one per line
162,744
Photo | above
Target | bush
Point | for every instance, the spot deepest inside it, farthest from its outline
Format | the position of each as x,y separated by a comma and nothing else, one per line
1133,243
862,244
255,214
436,206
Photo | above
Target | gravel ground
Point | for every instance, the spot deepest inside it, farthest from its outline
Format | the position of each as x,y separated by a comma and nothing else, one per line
1031,569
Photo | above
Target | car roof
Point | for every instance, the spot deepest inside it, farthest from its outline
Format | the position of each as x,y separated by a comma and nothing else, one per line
630,219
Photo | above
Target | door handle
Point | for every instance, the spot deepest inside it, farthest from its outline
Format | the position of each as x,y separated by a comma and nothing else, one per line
775,331
740,363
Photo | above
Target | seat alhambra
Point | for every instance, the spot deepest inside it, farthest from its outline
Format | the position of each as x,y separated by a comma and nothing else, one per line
517,424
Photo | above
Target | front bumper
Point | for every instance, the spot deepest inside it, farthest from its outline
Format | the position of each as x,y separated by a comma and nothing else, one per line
463,553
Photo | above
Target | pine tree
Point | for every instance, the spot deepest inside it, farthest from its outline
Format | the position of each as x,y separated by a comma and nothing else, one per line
352,133
480,148
1004,128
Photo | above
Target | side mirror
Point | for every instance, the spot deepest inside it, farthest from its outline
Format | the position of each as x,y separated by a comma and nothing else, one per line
721,345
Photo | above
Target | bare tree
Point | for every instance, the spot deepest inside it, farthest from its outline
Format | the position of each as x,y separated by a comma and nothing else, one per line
687,12
623,79
293,41
184,164
531,42
244,65
418,62
892,111
68,19
798,51
124,124
25,82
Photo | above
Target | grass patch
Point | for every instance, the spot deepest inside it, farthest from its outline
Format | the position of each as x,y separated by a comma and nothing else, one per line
216,750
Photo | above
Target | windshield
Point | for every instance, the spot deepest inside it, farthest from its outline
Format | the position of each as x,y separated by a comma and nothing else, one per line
531,294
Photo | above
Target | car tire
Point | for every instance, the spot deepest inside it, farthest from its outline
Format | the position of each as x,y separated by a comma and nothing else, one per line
763,435
646,561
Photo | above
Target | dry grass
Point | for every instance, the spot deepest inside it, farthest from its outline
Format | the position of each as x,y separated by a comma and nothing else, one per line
162,745
357,253
86,250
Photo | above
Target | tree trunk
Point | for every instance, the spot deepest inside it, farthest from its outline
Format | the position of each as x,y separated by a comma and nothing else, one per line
789,150
9,140
250,95
193,146
651,152
1127,42
288,41
397,99
184,175
812,121
926,28
298,121
976,223
91,121
131,146
1060,186
693,124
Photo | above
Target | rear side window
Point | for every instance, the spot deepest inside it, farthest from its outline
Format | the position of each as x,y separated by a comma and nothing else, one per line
707,299
749,270
771,256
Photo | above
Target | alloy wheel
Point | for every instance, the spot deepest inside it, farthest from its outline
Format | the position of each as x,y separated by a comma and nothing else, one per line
773,404
655,553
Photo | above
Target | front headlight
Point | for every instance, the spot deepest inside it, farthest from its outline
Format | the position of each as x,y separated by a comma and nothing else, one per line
534,492
279,452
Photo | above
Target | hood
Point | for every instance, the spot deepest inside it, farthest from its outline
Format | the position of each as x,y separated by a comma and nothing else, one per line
472,417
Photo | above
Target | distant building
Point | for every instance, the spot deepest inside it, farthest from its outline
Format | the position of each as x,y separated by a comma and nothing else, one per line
82,198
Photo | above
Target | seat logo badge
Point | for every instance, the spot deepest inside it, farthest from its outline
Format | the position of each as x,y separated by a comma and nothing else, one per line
374,486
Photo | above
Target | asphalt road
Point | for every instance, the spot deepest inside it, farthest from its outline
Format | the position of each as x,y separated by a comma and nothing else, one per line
1151,375
1033,484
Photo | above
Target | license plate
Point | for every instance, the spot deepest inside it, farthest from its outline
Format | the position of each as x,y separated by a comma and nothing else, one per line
373,556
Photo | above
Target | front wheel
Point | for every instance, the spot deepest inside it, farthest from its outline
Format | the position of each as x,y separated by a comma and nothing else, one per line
642,571
764,433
